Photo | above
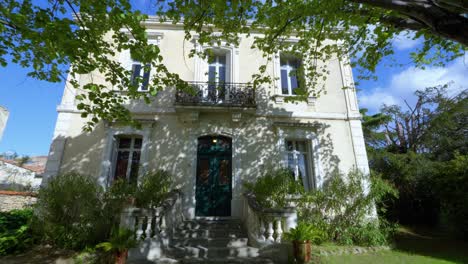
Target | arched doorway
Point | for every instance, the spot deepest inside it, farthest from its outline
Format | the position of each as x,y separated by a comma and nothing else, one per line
214,176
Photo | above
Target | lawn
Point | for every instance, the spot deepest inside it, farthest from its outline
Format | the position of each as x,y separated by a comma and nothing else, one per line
412,246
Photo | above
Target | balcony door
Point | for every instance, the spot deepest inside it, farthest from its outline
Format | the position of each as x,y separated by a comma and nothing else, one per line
217,77
214,176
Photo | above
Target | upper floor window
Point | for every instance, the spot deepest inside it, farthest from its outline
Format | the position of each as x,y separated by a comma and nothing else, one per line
127,159
289,66
141,72
298,160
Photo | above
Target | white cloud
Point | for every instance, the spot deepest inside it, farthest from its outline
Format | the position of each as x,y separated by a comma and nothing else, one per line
403,84
376,99
405,40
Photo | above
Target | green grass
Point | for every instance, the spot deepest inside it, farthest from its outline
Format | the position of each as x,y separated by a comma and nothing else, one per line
421,246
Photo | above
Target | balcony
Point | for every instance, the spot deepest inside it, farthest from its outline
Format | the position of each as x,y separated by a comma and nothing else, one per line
222,95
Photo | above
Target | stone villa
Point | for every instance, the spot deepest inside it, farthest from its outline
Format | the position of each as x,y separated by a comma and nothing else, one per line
213,142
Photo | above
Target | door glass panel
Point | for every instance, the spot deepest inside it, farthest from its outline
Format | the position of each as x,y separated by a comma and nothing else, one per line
289,145
293,82
125,142
291,164
121,165
301,146
212,74
224,143
135,167
203,171
137,143
222,74
284,82
224,178
302,169
222,60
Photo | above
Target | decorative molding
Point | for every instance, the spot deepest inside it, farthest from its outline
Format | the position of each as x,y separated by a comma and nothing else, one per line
348,85
280,99
314,125
184,109
236,117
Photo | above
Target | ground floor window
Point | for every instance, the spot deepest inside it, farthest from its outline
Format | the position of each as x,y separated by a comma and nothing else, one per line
298,161
127,158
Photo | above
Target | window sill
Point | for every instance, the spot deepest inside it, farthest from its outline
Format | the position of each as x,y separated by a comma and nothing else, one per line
280,99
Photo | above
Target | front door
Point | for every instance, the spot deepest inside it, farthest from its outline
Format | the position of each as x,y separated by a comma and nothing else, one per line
214,174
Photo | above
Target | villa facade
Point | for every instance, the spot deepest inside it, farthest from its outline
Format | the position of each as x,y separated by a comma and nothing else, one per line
214,141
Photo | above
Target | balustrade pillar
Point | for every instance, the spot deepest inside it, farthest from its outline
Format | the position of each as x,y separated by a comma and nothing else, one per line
139,227
279,230
270,232
262,231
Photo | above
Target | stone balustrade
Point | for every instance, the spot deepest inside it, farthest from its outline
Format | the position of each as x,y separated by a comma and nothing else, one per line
266,226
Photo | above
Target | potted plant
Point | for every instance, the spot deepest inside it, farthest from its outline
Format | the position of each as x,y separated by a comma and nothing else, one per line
118,244
302,237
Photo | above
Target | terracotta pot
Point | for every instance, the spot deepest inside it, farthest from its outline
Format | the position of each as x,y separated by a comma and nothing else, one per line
121,257
302,251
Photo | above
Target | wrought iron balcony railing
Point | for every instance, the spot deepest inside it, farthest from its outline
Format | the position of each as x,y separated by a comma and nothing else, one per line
217,94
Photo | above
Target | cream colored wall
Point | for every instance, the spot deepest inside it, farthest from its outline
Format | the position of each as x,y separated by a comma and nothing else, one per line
172,141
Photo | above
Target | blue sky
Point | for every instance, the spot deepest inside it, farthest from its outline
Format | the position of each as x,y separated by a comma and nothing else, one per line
32,104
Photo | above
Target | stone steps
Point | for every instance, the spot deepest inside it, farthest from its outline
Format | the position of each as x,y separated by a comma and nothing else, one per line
213,241
207,261
209,233
210,242
213,252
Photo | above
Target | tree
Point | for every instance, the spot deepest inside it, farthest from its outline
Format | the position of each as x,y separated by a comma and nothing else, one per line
424,154
47,39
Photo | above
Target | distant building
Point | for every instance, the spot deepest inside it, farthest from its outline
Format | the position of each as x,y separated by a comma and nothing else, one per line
3,119
17,176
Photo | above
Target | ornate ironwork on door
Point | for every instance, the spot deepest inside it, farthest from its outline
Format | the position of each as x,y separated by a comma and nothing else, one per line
214,176
217,94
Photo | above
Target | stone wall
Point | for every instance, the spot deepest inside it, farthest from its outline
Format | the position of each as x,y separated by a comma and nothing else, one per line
10,200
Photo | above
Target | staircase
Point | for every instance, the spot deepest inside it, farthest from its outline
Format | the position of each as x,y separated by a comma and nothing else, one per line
208,240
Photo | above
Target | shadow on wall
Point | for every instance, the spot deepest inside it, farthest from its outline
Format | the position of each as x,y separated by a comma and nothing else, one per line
172,141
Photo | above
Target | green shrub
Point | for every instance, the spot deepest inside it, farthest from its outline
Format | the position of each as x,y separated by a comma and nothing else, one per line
74,212
345,210
274,189
153,189
15,231
70,211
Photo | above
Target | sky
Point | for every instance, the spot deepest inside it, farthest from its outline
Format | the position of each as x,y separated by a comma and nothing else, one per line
32,104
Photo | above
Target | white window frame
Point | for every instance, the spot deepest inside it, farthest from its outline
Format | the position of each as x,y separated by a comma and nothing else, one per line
232,61
154,38
308,162
291,132
106,173
131,150
288,67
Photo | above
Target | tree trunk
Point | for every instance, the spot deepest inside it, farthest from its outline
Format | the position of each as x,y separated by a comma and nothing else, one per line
442,18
